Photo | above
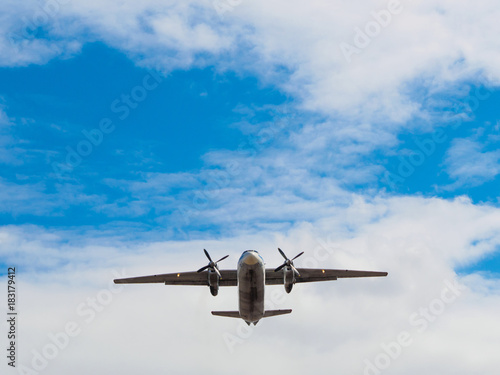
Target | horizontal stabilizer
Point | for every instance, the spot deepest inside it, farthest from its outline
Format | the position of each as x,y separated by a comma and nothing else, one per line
269,313
229,314
236,314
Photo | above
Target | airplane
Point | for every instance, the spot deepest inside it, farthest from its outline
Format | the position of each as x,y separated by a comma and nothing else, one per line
250,277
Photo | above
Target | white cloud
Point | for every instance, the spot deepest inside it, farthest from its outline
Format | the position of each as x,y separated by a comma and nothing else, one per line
424,44
424,50
9,151
27,33
151,327
26,198
469,164
279,198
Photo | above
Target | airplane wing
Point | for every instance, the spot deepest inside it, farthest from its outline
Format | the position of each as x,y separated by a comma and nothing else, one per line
183,278
318,274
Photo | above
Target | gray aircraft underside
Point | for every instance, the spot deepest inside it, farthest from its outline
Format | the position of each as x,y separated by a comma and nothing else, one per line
250,277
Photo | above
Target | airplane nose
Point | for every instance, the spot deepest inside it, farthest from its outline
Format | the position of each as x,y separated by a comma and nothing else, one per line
250,259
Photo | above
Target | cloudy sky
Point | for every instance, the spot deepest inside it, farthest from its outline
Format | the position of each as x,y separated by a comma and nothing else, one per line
135,134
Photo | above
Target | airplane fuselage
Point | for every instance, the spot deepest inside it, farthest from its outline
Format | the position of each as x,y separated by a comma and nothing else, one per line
251,285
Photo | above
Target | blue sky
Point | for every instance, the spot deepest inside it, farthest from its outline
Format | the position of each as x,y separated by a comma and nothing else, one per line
190,114
133,135
185,116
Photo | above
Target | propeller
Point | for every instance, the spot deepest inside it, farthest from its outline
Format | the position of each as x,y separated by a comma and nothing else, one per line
212,265
288,262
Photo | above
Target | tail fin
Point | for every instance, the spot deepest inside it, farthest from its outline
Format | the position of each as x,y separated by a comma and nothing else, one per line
269,313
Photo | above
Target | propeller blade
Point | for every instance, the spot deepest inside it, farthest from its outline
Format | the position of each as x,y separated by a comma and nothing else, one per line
298,255
295,270
218,272
280,267
203,268
282,253
221,259
207,254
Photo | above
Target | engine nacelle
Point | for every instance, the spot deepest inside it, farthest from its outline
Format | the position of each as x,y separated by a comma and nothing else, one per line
213,282
288,279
